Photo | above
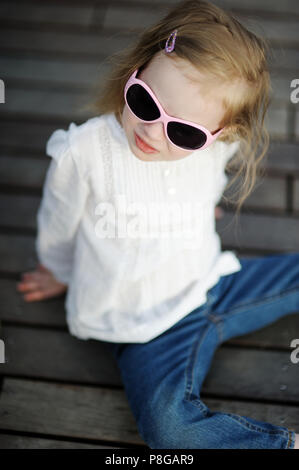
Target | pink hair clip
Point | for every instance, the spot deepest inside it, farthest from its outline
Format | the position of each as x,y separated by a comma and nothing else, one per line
173,37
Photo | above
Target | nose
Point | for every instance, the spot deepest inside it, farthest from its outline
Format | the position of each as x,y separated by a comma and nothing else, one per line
154,131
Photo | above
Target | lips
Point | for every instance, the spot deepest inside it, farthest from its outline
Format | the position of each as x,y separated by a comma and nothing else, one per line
143,145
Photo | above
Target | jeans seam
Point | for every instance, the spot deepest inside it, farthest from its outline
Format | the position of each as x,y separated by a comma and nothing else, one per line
242,420
218,322
291,441
190,369
260,301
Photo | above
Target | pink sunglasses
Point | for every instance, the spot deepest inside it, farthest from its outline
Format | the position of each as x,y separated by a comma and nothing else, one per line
144,105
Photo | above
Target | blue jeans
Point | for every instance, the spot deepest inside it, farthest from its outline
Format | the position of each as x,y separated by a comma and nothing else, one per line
163,377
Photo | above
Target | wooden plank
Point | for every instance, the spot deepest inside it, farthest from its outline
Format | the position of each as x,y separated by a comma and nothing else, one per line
63,72
236,370
63,105
268,6
12,207
89,49
14,308
281,84
61,356
275,233
281,415
296,137
24,172
8,441
282,32
88,45
245,373
85,16
82,73
124,17
270,193
67,410
26,139
282,158
66,105
19,211
296,195
23,250
99,414
51,312
277,335
47,12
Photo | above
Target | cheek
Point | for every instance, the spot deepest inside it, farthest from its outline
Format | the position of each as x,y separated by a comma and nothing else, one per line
128,120
176,152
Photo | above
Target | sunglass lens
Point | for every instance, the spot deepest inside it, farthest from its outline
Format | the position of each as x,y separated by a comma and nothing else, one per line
141,103
185,136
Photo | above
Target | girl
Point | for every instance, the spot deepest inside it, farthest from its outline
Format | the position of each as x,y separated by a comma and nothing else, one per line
187,97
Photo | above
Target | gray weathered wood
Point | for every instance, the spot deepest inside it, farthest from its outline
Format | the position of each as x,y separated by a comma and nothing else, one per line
51,312
269,194
19,211
25,172
45,105
25,139
235,371
94,45
63,104
51,55
57,355
259,374
275,233
269,6
296,195
101,414
47,13
8,441
67,410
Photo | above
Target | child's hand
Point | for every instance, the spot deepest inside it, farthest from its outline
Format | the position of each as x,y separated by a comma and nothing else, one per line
219,212
40,284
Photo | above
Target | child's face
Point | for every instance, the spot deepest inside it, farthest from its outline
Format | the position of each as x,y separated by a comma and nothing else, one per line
199,102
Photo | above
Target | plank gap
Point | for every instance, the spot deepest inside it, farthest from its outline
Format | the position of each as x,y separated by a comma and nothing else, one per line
110,444
56,381
265,401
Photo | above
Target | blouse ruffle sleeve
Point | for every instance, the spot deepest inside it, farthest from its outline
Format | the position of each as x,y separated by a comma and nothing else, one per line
63,200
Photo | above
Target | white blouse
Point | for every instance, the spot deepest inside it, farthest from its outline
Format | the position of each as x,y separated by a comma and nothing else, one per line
113,228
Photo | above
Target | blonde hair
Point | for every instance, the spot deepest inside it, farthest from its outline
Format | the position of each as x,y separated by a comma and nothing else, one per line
215,43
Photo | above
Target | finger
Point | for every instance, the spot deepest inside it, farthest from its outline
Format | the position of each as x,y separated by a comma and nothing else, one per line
27,275
34,296
27,286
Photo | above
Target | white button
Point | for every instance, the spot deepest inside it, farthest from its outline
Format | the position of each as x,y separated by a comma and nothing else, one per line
171,191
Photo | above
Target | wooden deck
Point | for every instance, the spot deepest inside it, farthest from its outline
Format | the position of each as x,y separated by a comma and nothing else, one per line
57,391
